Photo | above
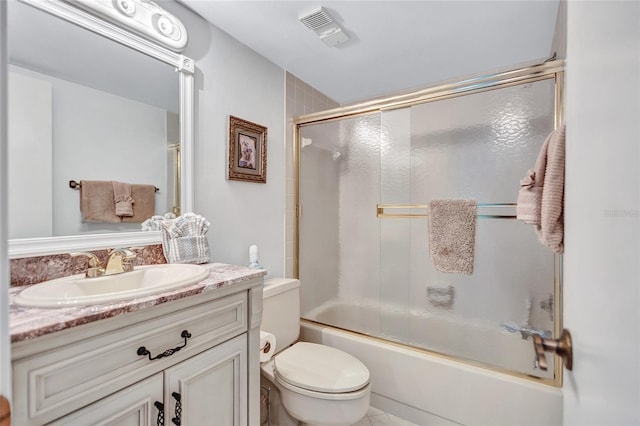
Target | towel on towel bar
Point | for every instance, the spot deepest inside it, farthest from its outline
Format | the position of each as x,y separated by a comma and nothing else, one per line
122,198
144,203
452,235
96,202
541,196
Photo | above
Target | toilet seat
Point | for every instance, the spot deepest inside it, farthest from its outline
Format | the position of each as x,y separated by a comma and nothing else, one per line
361,393
320,369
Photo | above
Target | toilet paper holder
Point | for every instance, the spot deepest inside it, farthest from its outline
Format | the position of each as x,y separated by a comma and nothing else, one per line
267,346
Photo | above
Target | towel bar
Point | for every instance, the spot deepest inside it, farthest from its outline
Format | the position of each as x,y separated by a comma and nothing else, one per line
76,185
380,210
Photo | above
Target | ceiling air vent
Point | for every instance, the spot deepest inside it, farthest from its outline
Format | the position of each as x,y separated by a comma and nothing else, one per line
325,27
317,19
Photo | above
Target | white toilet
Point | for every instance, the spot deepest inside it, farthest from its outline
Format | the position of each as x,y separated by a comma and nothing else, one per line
318,384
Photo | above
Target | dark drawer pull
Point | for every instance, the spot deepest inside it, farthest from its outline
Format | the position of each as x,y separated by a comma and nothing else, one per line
142,351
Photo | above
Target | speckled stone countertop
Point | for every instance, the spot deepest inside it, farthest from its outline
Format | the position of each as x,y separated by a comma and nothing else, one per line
28,323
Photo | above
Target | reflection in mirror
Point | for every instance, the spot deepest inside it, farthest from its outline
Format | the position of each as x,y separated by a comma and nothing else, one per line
83,107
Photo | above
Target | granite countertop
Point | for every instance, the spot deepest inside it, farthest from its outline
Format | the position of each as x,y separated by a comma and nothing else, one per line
28,323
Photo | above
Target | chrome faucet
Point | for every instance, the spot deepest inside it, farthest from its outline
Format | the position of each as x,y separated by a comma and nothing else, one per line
119,261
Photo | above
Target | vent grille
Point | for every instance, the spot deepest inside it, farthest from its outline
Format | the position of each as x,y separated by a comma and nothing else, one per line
317,20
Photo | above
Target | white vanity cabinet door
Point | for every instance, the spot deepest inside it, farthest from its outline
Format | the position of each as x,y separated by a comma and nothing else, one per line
132,406
212,387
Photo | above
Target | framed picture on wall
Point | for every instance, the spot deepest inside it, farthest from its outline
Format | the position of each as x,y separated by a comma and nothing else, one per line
247,151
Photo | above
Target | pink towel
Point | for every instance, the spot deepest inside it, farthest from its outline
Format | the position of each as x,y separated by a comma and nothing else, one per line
144,203
122,198
541,196
96,202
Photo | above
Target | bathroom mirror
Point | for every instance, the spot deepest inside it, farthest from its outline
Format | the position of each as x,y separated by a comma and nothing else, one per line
90,101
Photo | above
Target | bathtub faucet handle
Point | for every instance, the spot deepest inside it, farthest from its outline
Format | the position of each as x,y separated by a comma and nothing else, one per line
561,346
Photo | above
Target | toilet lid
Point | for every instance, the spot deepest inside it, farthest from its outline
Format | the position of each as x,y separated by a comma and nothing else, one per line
320,368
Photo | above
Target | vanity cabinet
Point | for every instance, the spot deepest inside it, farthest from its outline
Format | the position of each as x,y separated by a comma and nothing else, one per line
207,389
191,358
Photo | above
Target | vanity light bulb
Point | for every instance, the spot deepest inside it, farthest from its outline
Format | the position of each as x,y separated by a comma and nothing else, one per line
165,26
127,7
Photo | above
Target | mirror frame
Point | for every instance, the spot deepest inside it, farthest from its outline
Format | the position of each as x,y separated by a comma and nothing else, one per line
185,67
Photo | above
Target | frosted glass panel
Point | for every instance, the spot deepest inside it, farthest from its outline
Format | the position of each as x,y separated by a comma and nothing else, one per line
479,146
339,232
375,275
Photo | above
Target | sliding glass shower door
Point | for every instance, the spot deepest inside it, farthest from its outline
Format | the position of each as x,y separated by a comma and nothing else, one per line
364,261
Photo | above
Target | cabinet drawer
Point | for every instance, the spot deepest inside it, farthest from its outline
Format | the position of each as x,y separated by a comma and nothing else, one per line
134,405
59,381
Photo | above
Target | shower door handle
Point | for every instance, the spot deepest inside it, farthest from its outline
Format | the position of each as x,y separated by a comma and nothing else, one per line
562,346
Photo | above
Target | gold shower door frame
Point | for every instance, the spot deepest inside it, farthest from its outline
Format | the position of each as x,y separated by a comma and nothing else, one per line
476,84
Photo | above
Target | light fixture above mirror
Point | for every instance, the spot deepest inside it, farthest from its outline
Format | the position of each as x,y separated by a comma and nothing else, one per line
144,17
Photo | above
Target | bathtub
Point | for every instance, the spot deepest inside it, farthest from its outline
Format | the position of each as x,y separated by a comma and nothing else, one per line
428,389
483,343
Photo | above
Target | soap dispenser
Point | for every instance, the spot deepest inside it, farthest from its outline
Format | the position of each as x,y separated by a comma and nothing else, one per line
253,257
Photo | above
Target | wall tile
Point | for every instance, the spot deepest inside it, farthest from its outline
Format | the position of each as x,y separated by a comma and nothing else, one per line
301,99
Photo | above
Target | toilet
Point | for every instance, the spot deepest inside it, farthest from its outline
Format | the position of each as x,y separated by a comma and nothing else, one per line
319,385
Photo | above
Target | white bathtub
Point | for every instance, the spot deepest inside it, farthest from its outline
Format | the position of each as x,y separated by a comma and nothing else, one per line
432,390
482,343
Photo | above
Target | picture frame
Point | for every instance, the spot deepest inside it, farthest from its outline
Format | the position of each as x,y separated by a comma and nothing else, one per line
247,151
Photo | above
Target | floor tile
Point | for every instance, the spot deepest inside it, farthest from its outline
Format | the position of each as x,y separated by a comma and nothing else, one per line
376,417
363,422
372,411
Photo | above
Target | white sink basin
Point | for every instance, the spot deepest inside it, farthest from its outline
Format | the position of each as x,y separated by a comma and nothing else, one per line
76,290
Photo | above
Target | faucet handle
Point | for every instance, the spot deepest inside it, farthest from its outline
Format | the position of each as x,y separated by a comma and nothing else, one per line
127,259
119,261
95,267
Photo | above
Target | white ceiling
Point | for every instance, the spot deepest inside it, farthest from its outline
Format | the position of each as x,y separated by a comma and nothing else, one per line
394,45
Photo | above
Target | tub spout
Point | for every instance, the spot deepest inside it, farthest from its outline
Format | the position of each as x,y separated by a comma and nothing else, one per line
525,331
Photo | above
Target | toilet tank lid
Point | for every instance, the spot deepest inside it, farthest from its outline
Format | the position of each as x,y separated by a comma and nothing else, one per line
275,286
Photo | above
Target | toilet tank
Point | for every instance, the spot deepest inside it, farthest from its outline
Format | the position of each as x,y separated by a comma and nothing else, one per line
281,310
